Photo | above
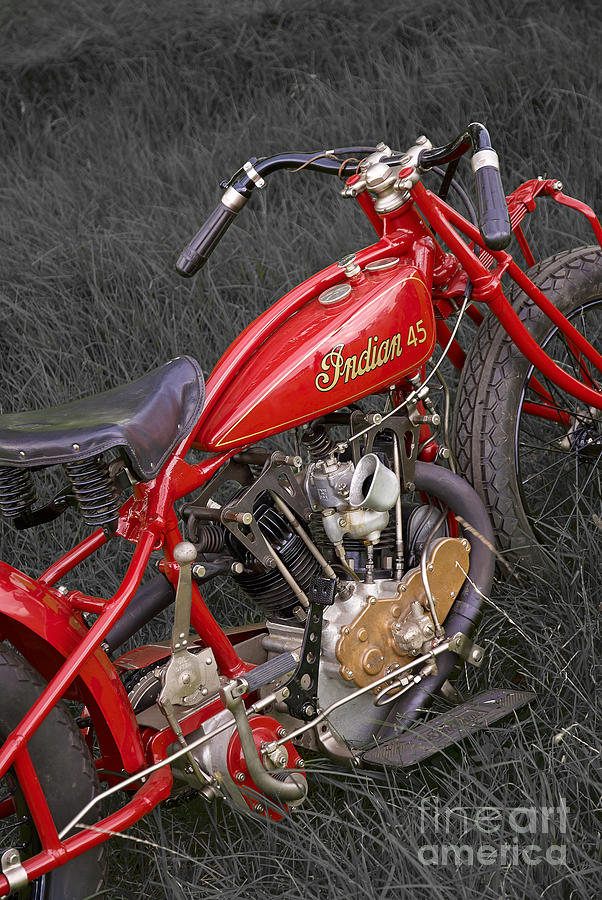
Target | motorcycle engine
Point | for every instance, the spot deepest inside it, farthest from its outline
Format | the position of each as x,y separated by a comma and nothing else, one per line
380,617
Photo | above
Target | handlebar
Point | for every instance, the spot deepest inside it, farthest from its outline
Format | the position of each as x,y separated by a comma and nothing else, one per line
493,219
492,209
239,188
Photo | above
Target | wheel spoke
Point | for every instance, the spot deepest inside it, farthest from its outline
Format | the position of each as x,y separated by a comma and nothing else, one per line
559,485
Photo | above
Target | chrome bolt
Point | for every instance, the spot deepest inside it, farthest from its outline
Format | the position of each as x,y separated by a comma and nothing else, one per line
259,807
557,185
281,732
349,265
240,776
300,764
431,567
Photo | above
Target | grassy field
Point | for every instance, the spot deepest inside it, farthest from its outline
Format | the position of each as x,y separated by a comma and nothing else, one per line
117,122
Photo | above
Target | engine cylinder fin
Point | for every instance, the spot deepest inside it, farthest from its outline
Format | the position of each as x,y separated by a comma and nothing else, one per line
266,587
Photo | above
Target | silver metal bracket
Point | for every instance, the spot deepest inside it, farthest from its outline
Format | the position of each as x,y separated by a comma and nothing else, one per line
188,677
13,871
400,426
467,649
279,479
253,174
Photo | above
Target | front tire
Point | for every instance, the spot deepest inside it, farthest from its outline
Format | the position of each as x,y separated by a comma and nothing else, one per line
65,771
540,480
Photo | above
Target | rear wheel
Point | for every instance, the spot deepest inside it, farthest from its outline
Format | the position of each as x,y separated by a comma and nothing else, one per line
66,772
532,452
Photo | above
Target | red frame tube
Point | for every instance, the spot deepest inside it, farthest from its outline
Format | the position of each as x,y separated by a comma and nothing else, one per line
71,559
487,289
153,792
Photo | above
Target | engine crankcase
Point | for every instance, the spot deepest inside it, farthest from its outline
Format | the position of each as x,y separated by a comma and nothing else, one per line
366,648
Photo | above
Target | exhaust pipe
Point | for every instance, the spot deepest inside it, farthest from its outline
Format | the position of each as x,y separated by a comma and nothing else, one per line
465,614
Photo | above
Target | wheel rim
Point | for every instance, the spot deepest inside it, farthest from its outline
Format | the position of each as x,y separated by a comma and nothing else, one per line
17,830
559,465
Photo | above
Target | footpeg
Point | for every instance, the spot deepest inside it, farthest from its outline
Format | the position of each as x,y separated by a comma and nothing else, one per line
448,728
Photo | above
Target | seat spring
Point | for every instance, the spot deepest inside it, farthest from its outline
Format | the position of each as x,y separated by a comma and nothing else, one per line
17,491
98,500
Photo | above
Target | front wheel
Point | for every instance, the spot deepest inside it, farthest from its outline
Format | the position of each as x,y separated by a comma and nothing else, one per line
66,773
533,452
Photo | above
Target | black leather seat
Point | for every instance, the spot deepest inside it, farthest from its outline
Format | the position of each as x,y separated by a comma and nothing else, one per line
146,418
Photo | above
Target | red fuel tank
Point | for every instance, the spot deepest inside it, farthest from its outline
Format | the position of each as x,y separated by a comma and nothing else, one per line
325,356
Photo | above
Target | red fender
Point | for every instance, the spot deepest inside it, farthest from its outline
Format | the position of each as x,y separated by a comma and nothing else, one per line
39,623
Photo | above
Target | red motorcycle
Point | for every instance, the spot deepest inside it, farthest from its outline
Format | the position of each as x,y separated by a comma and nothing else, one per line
368,540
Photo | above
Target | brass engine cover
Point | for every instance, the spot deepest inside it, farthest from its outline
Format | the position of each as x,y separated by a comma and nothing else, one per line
366,648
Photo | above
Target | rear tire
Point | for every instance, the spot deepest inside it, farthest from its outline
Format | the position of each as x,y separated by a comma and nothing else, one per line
537,493
65,771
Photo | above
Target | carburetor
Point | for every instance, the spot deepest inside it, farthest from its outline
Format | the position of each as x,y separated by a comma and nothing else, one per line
354,500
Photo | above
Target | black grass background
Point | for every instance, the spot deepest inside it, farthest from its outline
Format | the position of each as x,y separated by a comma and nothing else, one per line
117,121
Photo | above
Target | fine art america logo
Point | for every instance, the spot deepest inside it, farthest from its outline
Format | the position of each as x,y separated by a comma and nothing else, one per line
527,835
336,366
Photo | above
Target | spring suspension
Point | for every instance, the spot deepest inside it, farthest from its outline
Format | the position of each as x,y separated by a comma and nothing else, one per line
210,538
17,491
95,492
316,440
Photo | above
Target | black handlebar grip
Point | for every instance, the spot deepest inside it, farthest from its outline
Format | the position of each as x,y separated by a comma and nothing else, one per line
494,221
200,248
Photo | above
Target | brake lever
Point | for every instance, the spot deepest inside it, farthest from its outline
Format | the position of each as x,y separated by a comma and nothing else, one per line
241,172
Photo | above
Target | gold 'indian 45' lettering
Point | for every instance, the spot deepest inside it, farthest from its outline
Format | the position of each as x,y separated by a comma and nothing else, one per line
335,366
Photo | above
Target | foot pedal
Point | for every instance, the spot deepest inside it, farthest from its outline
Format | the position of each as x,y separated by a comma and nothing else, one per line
448,728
